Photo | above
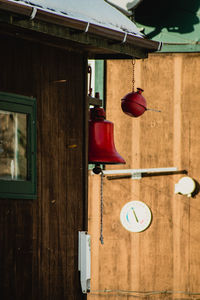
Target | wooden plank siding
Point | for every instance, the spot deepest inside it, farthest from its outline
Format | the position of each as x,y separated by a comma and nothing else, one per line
164,260
39,238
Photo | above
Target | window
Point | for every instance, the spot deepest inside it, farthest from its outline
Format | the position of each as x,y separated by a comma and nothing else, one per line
17,146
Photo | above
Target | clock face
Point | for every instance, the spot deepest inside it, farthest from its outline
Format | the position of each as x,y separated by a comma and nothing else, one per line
135,216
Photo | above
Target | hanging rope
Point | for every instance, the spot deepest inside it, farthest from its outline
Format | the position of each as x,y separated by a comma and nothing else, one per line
101,209
133,74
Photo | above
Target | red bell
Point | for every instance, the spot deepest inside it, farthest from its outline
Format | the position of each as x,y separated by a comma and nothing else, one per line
101,141
134,104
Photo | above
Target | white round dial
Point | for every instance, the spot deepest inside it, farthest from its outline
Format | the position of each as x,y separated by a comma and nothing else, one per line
135,216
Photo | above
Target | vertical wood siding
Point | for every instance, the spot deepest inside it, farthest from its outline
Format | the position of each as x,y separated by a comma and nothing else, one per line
166,256
38,252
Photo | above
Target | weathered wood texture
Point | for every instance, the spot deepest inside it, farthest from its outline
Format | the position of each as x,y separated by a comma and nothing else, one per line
164,260
39,238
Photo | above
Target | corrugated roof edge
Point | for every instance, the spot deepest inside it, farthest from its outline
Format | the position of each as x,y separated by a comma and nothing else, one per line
38,13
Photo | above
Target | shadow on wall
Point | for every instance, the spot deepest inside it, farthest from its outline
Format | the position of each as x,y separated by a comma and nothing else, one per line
197,188
174,15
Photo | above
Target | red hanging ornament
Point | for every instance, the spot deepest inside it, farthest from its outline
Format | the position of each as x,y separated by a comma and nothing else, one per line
134,104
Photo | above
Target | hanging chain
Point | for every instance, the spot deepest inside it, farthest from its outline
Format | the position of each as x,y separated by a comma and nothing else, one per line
90,81
101,207
133,78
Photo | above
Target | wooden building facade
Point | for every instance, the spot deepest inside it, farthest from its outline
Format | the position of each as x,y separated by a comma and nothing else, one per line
39,237
163,261
43,63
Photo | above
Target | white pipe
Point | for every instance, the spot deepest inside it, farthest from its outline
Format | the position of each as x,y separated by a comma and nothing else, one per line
133,171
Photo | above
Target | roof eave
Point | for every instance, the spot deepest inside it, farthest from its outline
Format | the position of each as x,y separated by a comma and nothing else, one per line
127,41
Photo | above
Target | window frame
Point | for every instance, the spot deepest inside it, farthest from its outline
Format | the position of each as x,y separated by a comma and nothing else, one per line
18,189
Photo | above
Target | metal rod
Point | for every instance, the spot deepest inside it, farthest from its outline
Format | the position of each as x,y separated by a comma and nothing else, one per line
152,109
113,177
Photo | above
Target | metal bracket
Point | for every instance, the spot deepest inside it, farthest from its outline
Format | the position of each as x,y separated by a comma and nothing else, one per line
136,175
94,101
84,260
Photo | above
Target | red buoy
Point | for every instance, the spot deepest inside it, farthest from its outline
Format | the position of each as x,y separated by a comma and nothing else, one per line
134,104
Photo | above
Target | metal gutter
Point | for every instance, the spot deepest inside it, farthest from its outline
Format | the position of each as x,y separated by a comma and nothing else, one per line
78,25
